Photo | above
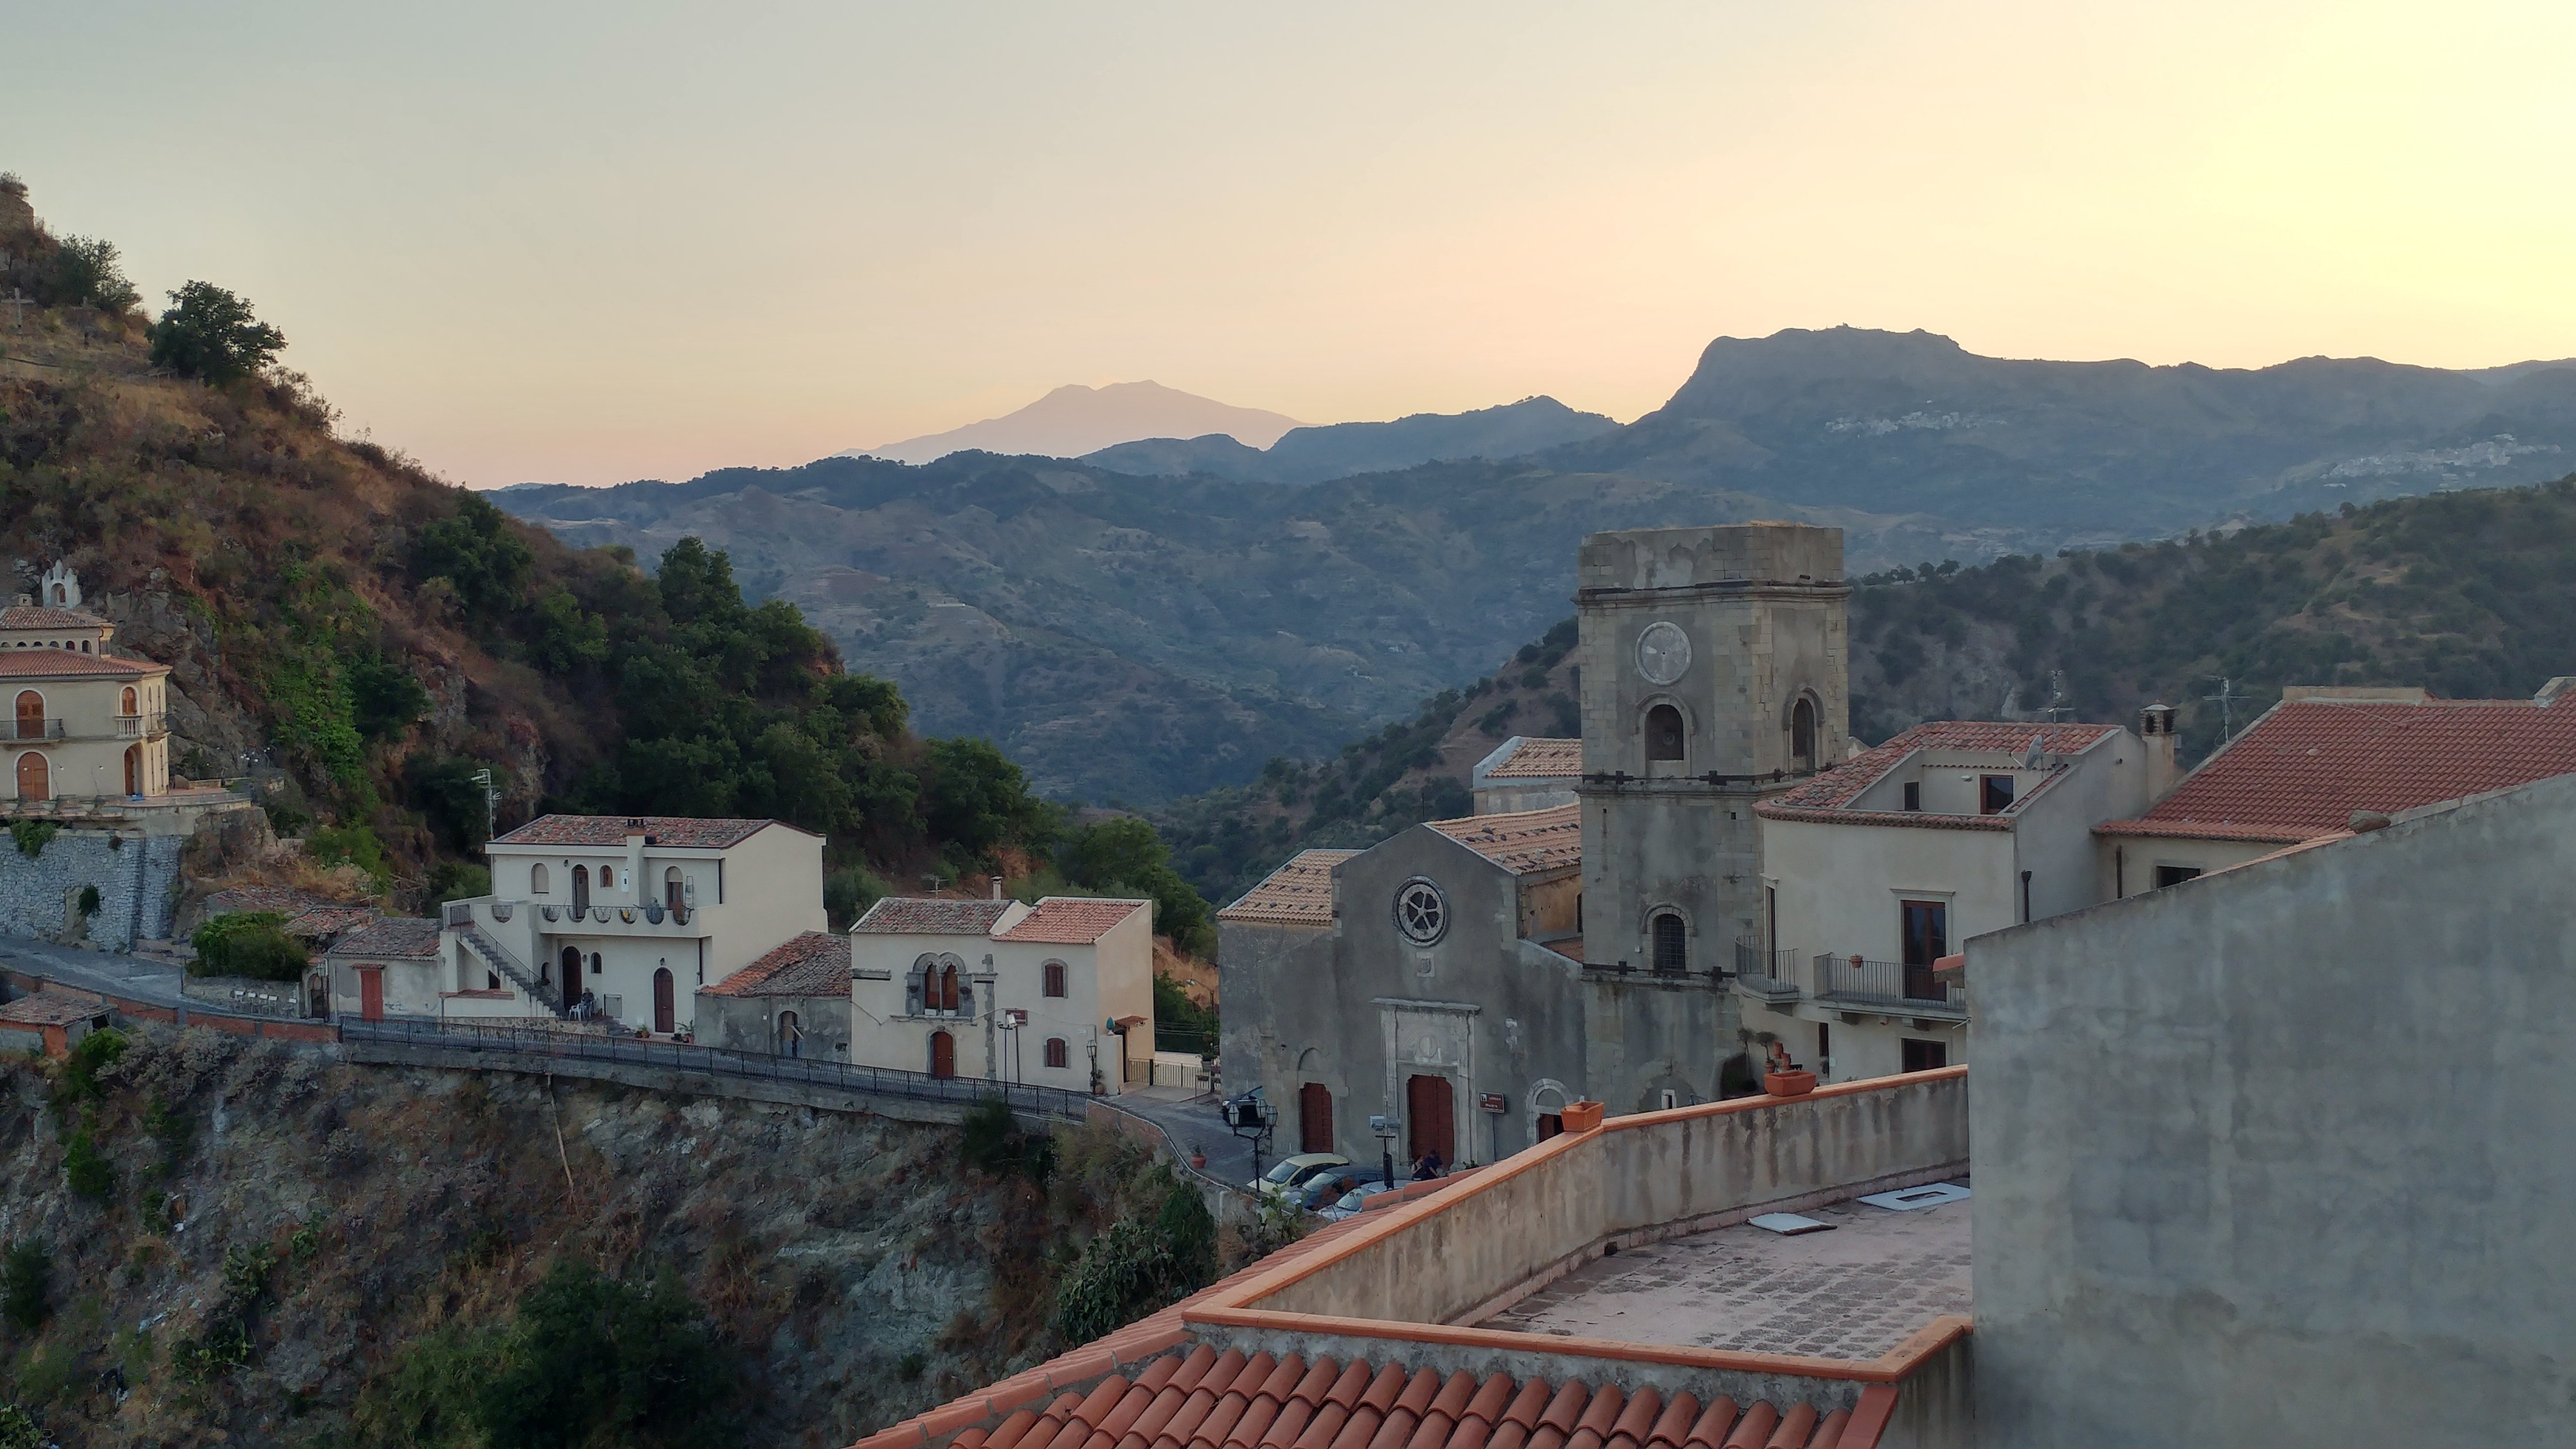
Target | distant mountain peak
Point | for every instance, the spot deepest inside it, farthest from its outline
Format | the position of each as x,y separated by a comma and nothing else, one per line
1073,420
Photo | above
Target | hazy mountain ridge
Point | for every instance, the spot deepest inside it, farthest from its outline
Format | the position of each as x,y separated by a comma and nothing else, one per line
1074,419
1339,450
1226,621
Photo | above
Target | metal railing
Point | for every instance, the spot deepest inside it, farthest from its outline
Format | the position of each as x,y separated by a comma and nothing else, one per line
1768,973
29,727
464,1039
1852,978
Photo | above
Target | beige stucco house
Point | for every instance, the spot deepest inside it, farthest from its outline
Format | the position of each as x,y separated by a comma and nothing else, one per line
85,723
624,918
387,967
1877,869
1060,994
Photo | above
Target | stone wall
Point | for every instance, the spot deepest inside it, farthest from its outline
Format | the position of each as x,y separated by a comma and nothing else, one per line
136,875
247,995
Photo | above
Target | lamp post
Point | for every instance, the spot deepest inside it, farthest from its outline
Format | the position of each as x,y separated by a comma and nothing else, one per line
1384,1129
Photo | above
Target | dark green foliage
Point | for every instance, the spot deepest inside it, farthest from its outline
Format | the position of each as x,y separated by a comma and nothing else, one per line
17,1430
89,902
1181,1024
1124,855
90,1056
26,1281
457,880
910,1366
384,700
86,1169
248,943
848,893
1136,1266
357,845
990,1140
209,333
86,274
596,1360
480,555
33,835
444,791
974,799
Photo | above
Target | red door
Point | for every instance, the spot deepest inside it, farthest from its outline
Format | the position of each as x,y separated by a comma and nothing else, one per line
35,777
1314,1118
31,715
943,1055
665,1018
1427,1112
371,995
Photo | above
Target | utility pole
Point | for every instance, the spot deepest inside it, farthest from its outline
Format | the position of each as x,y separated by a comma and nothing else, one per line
491,800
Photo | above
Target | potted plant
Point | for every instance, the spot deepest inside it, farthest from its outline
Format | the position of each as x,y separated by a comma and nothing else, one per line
1782,1077
1198,1157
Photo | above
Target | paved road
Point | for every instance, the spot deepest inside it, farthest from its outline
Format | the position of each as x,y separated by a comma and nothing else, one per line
1192,1120
138,978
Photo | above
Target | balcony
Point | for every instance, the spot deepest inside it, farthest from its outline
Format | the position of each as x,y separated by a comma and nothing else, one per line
116,727
1766,976
652,918
139,726
1854,983
29,727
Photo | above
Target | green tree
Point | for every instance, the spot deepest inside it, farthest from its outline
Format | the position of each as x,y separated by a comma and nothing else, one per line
210,333
445,792
478,550
1124,853
384,700
248,943
86,274
975,799
597,1360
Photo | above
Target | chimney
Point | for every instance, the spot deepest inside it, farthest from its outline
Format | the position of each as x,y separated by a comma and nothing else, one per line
997,887
2550,692
2156,727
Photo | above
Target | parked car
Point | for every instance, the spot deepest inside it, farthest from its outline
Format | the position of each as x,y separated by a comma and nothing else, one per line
1327,1187
1292,1172
1349,1203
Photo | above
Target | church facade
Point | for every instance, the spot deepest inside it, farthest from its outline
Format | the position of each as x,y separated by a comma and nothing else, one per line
1469,978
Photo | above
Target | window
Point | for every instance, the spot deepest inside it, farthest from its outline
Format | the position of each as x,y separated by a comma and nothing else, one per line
31,715
1672,953
947,988
1913,794
130,710
1664,734
673,890
2174,875
491,981
1802,734
580,888
1922,1056
594,963
1055,978
1668,1099
1824,1051
1058,1055
1994,794
539,882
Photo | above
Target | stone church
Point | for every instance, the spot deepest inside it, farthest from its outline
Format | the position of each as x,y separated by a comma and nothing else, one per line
1469,978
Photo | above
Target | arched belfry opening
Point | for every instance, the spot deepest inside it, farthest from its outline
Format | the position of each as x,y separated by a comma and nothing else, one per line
1666,737
1802,733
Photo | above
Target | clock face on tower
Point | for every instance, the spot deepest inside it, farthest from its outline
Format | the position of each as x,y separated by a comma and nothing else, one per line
1663,652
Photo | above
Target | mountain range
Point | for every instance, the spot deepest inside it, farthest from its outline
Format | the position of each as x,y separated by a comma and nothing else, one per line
1133,633
1315,455
1075,419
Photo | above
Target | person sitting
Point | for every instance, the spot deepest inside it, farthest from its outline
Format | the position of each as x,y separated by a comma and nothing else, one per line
1428,1166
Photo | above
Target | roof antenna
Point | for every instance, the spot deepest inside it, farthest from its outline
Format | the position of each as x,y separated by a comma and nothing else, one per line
2057,708
2225,699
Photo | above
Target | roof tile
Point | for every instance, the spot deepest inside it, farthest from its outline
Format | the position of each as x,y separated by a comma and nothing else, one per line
1299,893
45,616
1071,920
814,963
410,937
1753,1431
1540,759
1796,1426
930,916
67,663
1673,1425
2306,766
1524,843
683,832
1836,786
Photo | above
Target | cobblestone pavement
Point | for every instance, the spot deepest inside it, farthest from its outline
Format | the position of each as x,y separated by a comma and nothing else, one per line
1853,1293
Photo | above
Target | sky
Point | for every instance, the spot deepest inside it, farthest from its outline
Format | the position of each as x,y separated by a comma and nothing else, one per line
591,243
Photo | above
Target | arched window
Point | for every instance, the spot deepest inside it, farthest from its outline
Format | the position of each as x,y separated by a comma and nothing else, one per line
1664,735
1802,734
31,715
671,887
60,596
1055,978
1057,1053
539,881
948,988
581,888
791,1037
1672,950
594,963
130,709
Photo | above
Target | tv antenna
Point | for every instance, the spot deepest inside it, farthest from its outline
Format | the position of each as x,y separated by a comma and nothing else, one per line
2057,708
491,800
2225,699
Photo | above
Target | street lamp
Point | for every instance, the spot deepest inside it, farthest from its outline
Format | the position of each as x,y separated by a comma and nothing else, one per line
1384,1129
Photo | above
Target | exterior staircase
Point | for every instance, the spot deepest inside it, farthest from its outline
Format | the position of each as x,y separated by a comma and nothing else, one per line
498,956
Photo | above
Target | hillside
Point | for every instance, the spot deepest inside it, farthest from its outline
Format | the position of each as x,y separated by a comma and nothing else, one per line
1074,419
1143,638
361,638
2470,594
1313,455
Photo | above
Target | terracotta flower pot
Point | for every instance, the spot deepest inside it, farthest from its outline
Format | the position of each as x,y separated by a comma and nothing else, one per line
1580,1116
1199,1160
1795,1083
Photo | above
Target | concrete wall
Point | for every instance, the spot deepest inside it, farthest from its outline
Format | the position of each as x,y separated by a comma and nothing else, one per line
136,879
750,1024
1636,1179
2280,1155
2125,865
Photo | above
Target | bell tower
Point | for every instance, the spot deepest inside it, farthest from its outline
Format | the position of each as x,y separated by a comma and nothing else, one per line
1715,674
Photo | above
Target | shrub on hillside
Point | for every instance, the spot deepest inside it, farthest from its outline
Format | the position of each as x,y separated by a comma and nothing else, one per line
209,333
1124,854
248,943
26,1284
355,845
86,274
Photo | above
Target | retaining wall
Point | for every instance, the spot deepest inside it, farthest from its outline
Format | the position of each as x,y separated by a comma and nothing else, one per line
136,880
246,995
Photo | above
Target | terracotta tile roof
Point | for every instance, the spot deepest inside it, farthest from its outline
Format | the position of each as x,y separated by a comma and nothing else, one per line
1299,893
47,1008
328,920
925,916
412,937
686,832
2303,768
68,663
285,900
1548,759
813,964
1525,843
1833,789
1071,920
44,616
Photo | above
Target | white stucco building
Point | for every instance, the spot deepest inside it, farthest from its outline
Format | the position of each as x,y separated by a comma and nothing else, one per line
85,723
626,917
1878,868
1060,994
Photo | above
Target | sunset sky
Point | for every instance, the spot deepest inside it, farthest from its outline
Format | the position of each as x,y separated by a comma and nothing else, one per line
600,242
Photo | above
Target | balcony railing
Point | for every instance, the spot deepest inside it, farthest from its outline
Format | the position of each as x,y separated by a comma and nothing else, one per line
29,727
1885,983
117,727
1765,973
141,726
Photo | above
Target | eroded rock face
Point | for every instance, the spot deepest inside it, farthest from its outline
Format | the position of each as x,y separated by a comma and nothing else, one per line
851,1259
